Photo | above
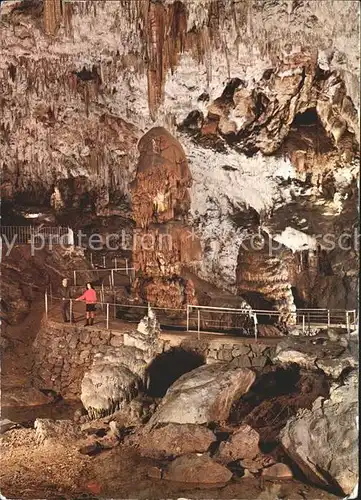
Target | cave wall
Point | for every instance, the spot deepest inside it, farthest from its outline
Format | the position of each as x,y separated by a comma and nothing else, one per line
263,96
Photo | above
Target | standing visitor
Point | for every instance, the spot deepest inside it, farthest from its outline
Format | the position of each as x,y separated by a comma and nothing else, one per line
66,296
90,298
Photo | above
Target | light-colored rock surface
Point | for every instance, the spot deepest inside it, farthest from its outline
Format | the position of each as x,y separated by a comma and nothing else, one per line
203,395
197,469
324,441
174,440
117,375
6,425
278,471
107,385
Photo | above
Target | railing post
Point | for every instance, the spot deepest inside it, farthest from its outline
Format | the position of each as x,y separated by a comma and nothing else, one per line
199,323
328,318
126,266
71,311
104,261
91,259
187,318
107,315
115,263
112,273
255,327
74,278
348,322
46,303
303,323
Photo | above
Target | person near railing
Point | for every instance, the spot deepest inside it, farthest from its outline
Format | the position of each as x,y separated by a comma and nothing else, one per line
66,296
90,299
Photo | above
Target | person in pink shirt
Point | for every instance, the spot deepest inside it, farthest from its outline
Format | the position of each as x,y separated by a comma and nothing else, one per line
90,299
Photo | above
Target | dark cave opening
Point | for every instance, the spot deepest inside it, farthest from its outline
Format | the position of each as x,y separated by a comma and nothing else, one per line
167,367
277,394
309,117
299,302
307,133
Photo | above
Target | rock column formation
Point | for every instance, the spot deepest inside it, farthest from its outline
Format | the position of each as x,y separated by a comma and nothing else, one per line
264,277
160,202
52,16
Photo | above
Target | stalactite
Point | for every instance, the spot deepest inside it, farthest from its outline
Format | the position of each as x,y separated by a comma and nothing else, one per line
156,67
52,16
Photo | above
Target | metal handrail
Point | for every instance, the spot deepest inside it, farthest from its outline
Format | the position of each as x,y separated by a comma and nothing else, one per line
191,308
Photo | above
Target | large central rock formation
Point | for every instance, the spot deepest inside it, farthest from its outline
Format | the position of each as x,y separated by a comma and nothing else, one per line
163,240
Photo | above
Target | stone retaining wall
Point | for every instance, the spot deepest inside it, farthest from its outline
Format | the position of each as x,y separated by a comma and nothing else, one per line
244,354
62,354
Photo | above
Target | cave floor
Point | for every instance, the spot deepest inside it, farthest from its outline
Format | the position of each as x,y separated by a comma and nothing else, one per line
59,471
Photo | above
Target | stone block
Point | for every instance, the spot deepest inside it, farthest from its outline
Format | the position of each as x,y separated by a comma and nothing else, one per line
116,340
85,337
258,348
240,350
96,340
73,341
212,353
105,335
259,362
225,355
59,362
244,362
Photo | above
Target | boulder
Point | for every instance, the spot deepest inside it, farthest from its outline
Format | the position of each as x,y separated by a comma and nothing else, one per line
334,367
118,374
174,440
197,469
277,471
303,359
323,441
55,430
203,395
330,357
24,396
107,385
243,443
